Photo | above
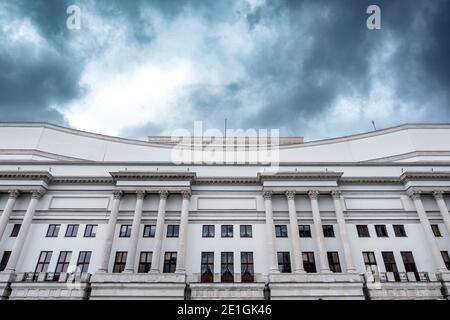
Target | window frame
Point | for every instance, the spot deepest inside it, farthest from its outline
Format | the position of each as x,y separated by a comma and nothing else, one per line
247,267
334,262
381,231
145,261
120,260
83,264
174,231
281,231
15,230
149,231
304,231
63,262
4,261
207,266
125,231
227,264
44,259
73,228
170,262
436,230
327,233
227,231
208,231
54,228
363,231
399,230
244,231
92,228
284,265
309,265
446,258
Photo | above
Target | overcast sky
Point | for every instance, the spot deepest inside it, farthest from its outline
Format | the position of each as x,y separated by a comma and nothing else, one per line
309,68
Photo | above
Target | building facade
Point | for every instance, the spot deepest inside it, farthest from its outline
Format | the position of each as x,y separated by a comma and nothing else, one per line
87,216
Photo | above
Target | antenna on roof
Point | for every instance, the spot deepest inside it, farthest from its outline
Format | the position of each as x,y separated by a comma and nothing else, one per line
373,123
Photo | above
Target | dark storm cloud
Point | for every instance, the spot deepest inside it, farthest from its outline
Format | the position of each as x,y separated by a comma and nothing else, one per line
321,52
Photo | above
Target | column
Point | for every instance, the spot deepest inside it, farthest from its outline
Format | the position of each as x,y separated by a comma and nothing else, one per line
295,236
184,220
110,231
273,264
23,232
343,232
134,237
415,196
313,195
442,208
13,195
156,256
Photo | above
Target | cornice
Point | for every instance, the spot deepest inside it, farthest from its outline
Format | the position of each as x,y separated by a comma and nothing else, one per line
226,180
153,175
369,180
430,175
82,180
297,175
26,175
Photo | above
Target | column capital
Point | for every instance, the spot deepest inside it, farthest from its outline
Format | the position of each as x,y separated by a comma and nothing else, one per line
14,193
267,195
290,195
336,194
37,194
186,194
163,194
313,194
414,194
438,195
140,194
117,194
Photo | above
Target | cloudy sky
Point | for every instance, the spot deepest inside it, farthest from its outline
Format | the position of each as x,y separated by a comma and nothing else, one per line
309,68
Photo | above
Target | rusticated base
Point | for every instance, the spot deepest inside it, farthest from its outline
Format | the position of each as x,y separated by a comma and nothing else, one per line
338,286
233,291
134,286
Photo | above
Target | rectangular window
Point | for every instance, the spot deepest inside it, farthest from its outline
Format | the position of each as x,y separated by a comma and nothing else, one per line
208,231
247,270
63,263
207,267
227,231
370,262
284,262
409,263
170,262
125,231
43,261
15,230
84,258
145,262
389,263
281,231
363,231
5,259
90,231
149,231
173,230
309,264
333,261
304,231
72,230
53,230
443,253
328,231
120,261
381,231
399,230
227,267
436,231
246,231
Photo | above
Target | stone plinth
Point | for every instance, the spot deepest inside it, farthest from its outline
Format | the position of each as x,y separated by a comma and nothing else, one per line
233,291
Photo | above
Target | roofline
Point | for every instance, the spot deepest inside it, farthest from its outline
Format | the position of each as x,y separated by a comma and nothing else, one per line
352,137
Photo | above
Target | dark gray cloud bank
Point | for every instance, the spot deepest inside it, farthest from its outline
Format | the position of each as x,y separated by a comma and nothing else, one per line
310,68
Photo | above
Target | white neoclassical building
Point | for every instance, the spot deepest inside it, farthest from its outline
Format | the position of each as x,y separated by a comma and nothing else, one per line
88,216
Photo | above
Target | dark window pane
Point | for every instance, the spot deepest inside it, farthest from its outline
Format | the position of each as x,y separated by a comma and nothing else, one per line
72,230
246,231
363,231
173,230
208,231
5,259
284,262
399,230
170,262
227,231
281,231
53,230
120,261
304,231
333,261
207,267
90,231
309,264
15,230
328,231
149,231
125,231
381,231
436,231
